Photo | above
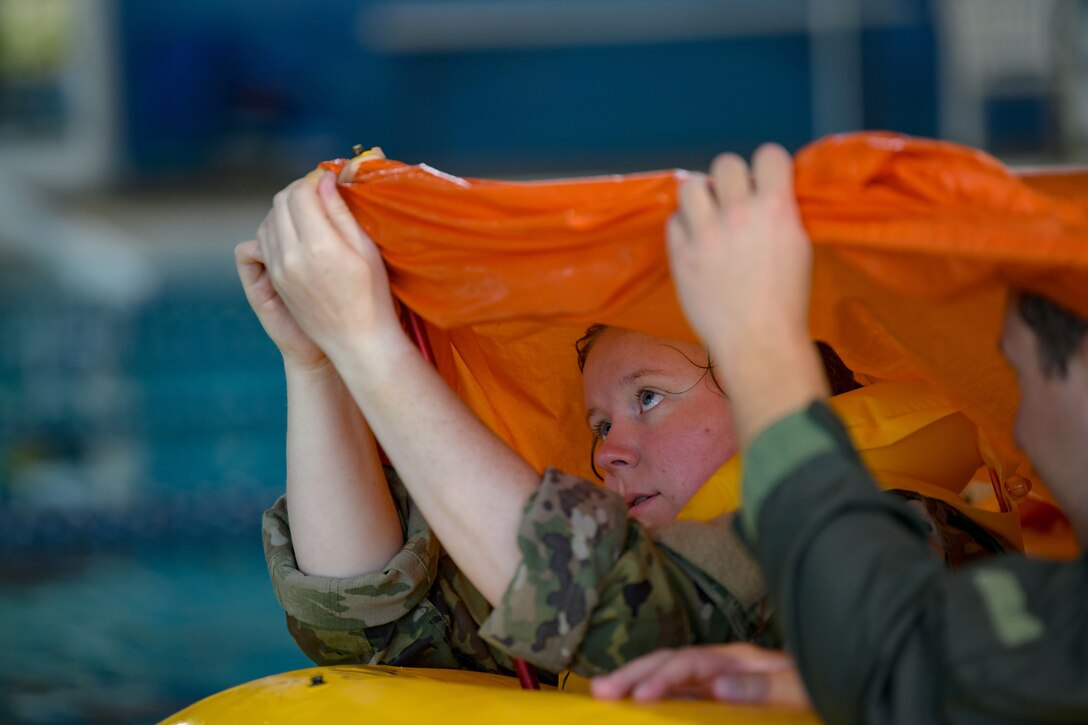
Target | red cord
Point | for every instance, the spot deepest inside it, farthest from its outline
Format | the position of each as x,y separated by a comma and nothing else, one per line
414,326
526,675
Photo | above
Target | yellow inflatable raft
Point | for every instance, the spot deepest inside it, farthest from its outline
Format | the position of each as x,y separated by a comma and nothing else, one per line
409,696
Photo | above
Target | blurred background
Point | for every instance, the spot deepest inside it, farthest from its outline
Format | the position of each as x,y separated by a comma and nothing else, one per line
142,409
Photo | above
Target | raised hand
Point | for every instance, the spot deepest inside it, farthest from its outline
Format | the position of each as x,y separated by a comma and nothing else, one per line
297,348
325,269
740,257
742,264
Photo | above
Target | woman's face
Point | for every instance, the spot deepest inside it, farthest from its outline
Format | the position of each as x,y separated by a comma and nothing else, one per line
663,427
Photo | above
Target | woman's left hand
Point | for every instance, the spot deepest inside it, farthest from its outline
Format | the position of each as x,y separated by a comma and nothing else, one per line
326,269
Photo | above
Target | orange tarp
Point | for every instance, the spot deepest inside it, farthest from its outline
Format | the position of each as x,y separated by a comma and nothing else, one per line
916,243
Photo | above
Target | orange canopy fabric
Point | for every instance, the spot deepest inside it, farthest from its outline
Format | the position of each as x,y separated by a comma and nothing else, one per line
917,242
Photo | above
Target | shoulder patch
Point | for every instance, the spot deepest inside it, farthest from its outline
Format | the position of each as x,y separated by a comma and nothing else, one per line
1006,602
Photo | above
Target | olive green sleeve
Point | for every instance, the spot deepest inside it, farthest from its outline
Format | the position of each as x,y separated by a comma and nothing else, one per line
595,590
881,630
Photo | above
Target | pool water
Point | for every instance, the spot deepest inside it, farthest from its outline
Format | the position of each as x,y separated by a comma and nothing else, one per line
138,447
133,636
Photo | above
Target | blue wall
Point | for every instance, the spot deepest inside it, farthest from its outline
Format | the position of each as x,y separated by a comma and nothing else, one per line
282,83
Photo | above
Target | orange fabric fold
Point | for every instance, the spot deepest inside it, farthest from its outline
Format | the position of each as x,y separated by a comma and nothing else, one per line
917,243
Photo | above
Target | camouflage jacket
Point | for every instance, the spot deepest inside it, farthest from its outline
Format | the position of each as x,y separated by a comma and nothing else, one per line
594,590
419,611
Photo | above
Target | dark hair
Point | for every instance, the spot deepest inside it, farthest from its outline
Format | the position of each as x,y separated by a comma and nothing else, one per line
586,342
1058,331
840,379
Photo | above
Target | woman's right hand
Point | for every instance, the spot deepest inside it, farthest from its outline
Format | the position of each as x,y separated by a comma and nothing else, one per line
294,344
297,348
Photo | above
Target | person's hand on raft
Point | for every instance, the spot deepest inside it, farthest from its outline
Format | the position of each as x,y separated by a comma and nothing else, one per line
326,271
738,673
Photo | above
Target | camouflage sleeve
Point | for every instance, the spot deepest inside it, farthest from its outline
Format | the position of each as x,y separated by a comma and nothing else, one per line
419,610
595,590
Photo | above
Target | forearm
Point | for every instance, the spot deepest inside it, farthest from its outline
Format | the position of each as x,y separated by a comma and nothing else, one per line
343,521
468,484
331,279
780,375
